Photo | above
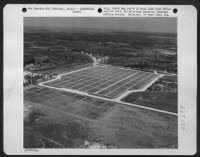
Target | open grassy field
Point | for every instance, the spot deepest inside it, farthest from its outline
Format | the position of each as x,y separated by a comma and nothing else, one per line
159,100
56,119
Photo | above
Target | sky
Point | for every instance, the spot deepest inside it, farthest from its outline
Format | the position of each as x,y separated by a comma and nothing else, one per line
140,24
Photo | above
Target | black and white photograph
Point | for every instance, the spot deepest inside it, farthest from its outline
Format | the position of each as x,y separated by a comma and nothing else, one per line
100,82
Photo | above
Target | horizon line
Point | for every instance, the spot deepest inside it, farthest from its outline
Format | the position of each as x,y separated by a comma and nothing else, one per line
100,29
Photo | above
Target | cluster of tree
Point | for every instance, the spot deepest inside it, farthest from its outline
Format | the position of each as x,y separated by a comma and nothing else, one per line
32,79
110,52
77,58
142,64
169,78
32,60
162,86
28,60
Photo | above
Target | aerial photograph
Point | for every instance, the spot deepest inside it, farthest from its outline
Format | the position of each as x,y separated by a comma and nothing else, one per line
100,82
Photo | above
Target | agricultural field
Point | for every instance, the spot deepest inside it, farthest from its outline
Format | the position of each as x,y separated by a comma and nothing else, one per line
162,94
57,119
164,101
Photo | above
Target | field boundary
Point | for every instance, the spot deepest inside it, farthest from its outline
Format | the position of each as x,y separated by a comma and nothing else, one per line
111,100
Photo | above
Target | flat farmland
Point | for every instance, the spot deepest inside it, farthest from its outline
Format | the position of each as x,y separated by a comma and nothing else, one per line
68,120
159,100
69,102
105,81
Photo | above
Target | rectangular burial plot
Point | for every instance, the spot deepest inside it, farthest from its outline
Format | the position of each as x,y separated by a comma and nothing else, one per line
144,82
104,81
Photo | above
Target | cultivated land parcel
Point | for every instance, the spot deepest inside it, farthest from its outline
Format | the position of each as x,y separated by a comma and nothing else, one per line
67,120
